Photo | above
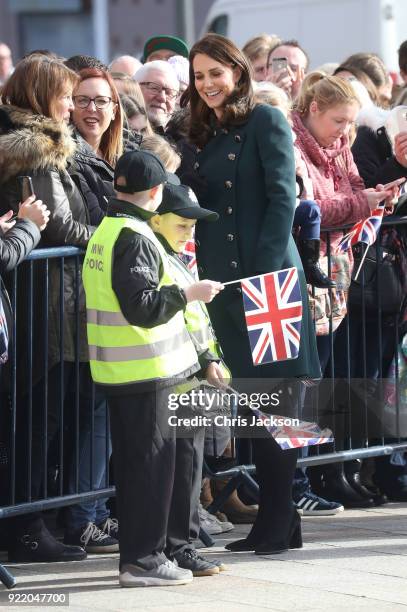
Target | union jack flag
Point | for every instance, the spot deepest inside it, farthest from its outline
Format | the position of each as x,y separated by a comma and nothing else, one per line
363,231
287,436
188,256
273,308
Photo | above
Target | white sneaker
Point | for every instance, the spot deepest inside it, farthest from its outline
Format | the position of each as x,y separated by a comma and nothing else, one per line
166,574
211,523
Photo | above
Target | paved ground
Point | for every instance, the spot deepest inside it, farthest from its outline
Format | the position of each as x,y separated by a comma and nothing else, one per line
354,561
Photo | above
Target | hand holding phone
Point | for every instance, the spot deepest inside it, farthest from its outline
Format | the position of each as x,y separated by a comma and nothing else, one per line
35,211
395,183
279,63
27,188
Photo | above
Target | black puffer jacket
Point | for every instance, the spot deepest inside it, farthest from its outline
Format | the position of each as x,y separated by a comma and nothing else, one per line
372,151
93,176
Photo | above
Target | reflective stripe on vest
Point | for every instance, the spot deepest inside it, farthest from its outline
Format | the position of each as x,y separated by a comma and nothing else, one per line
121,353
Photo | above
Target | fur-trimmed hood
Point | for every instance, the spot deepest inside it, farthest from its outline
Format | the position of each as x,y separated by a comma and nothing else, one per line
372,117
31,143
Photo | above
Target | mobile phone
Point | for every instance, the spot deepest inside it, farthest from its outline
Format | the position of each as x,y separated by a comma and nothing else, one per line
395,183
27,188
402,118
279,63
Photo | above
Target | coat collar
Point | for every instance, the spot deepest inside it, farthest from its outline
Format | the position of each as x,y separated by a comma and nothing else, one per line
31,143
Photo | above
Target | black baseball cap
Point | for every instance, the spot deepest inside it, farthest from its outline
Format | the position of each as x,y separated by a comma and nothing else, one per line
142,170
181,200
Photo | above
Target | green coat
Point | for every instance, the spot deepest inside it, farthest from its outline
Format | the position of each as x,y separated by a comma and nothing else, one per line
250,181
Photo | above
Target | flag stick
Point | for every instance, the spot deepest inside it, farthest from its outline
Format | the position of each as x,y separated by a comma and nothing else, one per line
233,282
361,263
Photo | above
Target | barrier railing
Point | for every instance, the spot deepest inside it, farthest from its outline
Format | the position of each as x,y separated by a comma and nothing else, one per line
47,393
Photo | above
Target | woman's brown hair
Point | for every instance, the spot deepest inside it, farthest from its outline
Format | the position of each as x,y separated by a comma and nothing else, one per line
127,86
361,76
111,143
370,64
238,106
36,83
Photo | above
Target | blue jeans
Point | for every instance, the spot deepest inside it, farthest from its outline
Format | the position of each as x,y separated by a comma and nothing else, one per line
93,511
308,217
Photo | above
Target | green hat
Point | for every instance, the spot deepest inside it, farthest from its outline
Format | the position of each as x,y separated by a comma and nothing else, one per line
155,43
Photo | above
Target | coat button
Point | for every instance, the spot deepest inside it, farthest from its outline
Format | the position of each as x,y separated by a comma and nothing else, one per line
239,289
228,184
233,264
196,165
232,156
229,210
230,237
225,131
238,138
214,132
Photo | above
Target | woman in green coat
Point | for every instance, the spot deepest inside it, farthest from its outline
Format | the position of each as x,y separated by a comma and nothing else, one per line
245,160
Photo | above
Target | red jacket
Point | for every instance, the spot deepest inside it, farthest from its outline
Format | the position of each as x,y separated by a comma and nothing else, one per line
335,180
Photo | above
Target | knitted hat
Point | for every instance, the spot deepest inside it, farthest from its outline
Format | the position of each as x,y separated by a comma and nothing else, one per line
181,68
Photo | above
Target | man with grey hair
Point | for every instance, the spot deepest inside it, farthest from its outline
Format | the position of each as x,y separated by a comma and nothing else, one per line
160,86
6,63
126,64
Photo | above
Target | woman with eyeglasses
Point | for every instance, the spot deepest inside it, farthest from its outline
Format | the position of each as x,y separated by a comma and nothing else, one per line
98,121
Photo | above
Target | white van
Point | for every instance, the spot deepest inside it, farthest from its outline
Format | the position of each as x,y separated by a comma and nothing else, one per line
329,30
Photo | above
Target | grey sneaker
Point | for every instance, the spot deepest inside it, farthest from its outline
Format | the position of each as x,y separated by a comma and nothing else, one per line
211,523
166,574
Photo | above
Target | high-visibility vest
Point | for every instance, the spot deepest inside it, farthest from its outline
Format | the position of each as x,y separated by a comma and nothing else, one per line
196,315
121,353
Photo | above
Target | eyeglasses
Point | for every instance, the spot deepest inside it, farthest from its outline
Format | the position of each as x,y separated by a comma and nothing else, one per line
101,102
157,89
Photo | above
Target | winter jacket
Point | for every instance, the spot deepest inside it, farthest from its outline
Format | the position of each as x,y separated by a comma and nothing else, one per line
248,178
40,147
15,245
93,176
335,179
135,287
372,150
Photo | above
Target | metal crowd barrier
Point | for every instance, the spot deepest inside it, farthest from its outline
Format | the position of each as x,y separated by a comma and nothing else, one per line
31,295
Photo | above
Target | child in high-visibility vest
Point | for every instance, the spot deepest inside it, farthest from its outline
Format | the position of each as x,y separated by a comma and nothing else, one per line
178,213
139,348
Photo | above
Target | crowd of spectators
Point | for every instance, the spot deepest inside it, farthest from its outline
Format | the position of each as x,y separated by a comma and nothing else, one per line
310,149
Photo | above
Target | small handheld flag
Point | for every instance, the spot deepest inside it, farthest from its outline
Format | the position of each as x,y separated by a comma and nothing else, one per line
363,231
273,308
188,256
304,433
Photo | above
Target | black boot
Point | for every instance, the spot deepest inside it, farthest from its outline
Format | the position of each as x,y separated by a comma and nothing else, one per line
352,472
293,539
335,487
36,543
309,253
